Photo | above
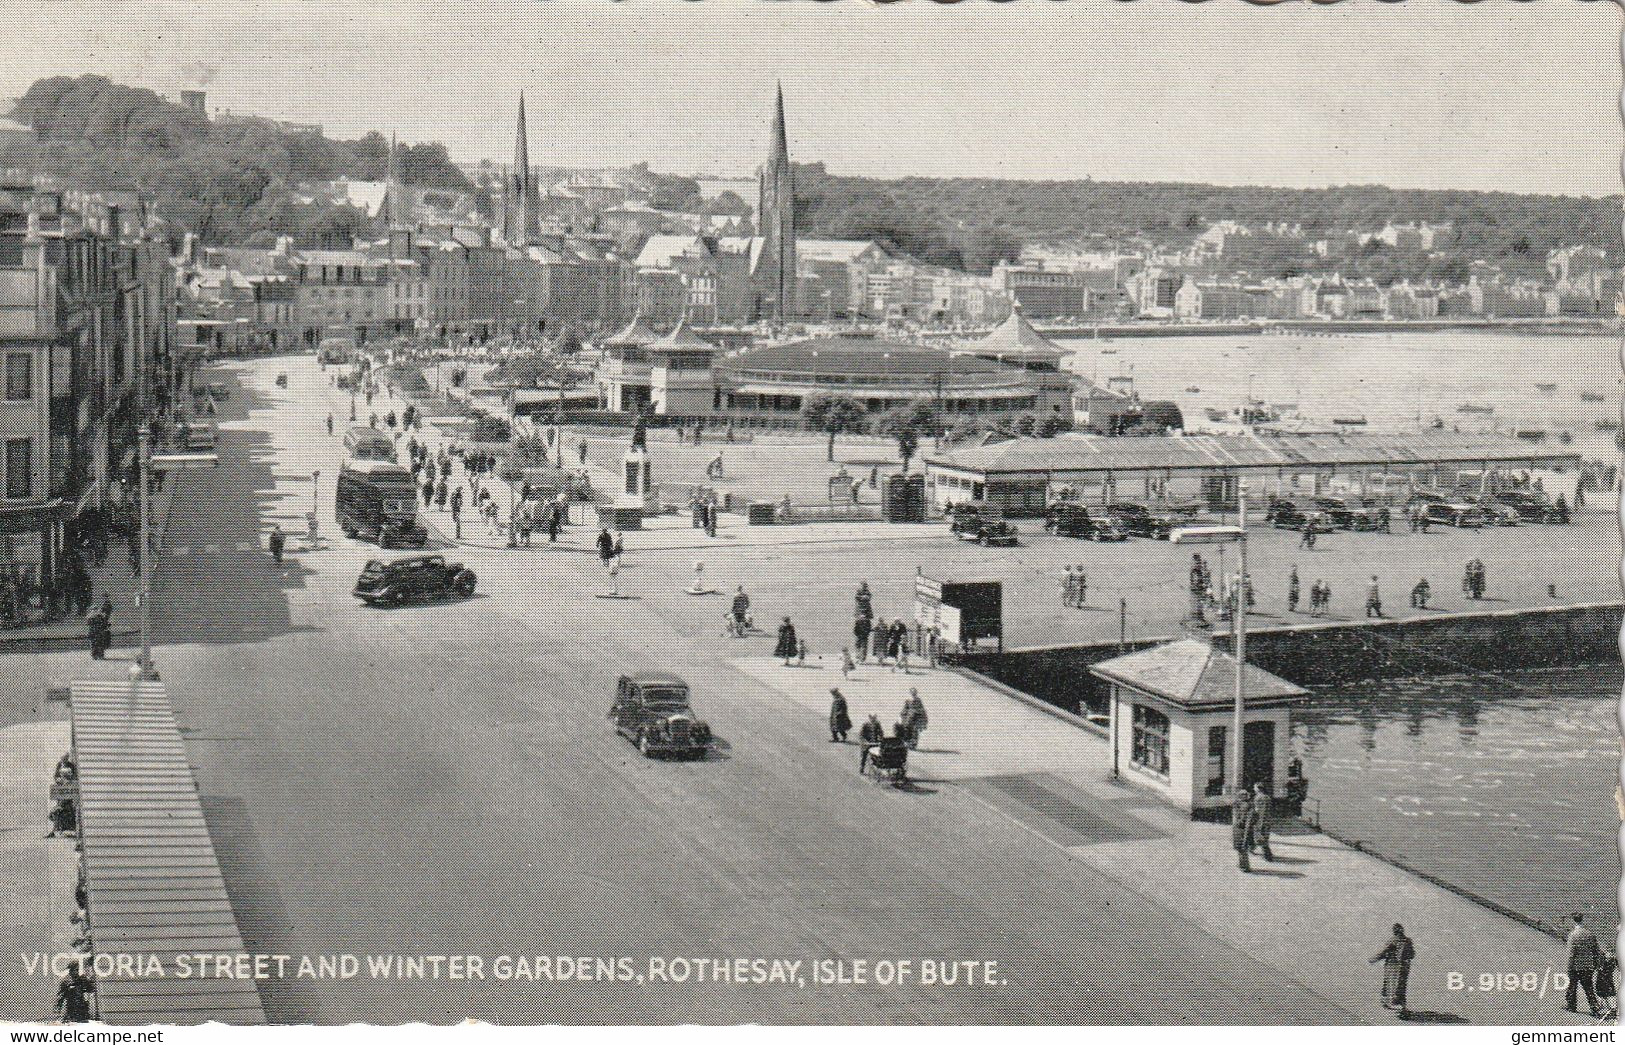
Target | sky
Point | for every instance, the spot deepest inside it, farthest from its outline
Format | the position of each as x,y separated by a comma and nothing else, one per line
1427,94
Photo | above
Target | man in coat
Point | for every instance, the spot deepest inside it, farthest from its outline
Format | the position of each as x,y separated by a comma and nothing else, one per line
840,719
914,717
1584,958
786,646
871,734
1260,827
1396,957
1241,817
606,546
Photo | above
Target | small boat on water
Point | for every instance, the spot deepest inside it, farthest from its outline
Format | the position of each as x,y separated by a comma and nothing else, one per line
1546,386
1108,351
1607,424
1192,389
1591,397
1530,435
1474,408
1349,420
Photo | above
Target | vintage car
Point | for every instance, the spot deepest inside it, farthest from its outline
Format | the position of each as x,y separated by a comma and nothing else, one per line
983,524
1532,506
1288,515
651,710
1450,510
414,578
1347,515
1494,512
1156,521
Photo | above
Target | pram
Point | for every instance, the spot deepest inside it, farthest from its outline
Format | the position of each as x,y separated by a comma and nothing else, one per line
889,760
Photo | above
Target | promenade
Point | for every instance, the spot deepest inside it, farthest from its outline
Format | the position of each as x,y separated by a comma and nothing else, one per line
440,778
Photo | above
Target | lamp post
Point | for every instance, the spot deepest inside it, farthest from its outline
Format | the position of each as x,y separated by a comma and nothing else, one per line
147,670
1237,535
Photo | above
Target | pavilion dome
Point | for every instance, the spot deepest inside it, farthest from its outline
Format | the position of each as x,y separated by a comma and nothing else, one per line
1015,341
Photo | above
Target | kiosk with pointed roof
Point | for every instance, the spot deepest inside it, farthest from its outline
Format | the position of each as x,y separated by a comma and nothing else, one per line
1016,343
1171,709
680,380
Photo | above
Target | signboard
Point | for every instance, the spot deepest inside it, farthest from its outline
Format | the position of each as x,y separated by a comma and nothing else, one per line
960,611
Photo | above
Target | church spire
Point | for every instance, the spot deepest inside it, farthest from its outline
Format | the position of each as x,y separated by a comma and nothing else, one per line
775,216
520,205
392,187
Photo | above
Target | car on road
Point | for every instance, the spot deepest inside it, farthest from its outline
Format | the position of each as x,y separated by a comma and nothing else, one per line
198,436
377,500
652,710
1532,506
219,390
983,524
416,578
1447,509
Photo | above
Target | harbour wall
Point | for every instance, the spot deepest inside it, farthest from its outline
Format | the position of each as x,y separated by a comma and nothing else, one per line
1341,651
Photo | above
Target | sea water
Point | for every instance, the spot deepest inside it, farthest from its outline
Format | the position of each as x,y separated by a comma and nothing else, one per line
1501,783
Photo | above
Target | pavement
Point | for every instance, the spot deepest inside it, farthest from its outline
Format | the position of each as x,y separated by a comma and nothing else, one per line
440,779
39,872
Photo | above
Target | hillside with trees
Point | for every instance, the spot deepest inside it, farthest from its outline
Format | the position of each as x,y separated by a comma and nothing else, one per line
231,182
974,222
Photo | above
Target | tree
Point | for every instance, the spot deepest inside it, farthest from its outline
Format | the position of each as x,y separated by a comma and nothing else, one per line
1054,425
833,414
1026,424
907,424
1156,417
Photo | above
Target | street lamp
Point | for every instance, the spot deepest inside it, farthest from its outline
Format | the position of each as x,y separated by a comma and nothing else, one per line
150,462
1237,535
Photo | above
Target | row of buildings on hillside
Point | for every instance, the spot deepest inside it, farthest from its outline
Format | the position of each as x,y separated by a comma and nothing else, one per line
87,322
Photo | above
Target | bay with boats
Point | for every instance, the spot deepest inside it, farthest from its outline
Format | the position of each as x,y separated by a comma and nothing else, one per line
1563,387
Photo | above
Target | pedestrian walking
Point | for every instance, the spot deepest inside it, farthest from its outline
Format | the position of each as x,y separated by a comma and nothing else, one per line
1584,959
606,546
862,619
1373,599
524,520
277,541
896,637
914,717
786,646
1420,594
1292,591
428,490
457,517
99,634
619,548
1241,814
73,995
329,424
839,717
555,517
372,418
1396,957
135,555
1081,584
581,451
878,637
440,494
846,662
1263,808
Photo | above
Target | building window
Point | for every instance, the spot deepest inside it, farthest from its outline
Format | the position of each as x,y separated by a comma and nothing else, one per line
19,375
19,469
1150,739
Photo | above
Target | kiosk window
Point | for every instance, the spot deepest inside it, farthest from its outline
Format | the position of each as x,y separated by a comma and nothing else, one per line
1150,739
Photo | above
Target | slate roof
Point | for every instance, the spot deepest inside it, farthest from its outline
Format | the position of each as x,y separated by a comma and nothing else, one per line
1193,675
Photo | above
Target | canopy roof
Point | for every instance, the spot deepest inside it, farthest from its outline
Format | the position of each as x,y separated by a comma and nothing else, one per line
1095,453
1015,341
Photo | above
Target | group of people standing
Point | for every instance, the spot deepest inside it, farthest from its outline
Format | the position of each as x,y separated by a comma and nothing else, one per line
1074,587
1250,821
872,637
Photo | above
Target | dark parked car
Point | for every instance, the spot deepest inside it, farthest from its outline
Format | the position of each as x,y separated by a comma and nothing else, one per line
983,524
1143,520
1532,506
414,578
1287,515
1449,510
1347,515
1494,512
1069,519
651,710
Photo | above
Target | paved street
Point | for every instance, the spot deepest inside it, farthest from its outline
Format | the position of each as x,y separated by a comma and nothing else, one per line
441,780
